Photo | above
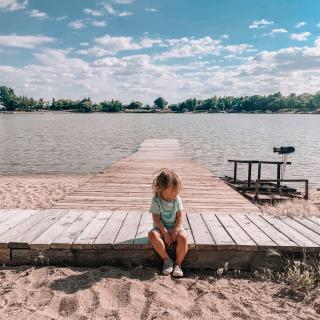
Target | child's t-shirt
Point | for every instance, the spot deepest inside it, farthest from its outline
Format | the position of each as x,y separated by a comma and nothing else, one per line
166,209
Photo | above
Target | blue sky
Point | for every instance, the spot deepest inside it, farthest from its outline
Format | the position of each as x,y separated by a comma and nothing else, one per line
139,50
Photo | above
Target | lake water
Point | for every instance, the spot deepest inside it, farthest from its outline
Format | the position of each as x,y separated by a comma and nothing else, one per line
83,143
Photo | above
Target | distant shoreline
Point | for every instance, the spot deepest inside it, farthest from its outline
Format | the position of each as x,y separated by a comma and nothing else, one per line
156,112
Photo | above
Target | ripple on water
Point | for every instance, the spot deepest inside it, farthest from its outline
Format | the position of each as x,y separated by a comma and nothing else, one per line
82,143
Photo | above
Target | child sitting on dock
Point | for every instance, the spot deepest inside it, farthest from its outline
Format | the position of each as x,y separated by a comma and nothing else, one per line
166,208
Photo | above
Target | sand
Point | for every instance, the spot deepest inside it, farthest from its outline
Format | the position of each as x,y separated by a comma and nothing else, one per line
31,292
134,293
38,191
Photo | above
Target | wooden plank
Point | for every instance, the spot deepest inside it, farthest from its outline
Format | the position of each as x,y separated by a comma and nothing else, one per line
126,184
65,239
239,236
309,224
44,240
195,259
6,214
305,231
128,231
17,217
283,242
314,219
5,257
134,198
20,228
23,239
141,241
88,235
110,230
291,233
186,227
259,237
201,234
219,234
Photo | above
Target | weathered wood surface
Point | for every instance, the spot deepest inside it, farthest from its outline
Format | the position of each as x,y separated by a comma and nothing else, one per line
70,229
194,259
127,184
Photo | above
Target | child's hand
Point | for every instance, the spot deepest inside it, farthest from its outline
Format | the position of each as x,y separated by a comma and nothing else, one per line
174,233
167,237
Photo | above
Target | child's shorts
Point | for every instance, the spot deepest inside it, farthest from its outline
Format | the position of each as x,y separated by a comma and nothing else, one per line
168,228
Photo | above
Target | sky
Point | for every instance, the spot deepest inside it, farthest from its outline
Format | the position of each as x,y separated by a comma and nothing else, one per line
142,49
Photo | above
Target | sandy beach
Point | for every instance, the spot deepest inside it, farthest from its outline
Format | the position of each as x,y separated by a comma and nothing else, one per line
134,293
38,191
33,292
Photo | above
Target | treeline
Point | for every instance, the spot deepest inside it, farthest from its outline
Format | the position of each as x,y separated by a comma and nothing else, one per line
256,103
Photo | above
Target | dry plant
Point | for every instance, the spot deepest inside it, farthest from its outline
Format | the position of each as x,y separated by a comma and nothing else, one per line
292,208
301,275
41,259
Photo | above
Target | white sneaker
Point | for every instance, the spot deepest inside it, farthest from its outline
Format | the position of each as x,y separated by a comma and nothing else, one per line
177,271
167,266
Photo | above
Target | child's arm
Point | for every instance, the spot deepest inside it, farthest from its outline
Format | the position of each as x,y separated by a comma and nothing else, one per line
157,222
179,217
162,228
177,225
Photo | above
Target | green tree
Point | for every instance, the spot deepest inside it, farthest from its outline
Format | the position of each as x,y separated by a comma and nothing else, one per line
174,107
134,105
85,105
160,103
7,98
111,106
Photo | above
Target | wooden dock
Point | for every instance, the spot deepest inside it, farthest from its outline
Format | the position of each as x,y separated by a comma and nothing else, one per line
106,220
126,185
100,237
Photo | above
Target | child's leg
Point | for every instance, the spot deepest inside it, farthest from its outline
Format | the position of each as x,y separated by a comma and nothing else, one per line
182,246
158,244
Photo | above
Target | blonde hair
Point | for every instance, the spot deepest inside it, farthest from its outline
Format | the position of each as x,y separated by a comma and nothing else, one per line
166,179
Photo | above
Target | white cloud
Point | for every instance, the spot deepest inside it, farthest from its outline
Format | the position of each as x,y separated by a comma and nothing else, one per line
144,76
199,47
284,61
38,14
148,43
96,23
125,14
274,32
115,44
109,45
110,9
27,42
300,24
236,48
94,52
13,5
256,24
318,25
113,12
225,36
280,30
140,77
151,9
303,36
61,18
91,12
77,24
123,1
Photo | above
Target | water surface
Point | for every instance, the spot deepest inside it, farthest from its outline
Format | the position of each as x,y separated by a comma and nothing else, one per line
83,143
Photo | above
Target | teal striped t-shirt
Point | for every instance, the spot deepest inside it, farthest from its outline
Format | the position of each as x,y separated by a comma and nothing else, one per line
166,209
